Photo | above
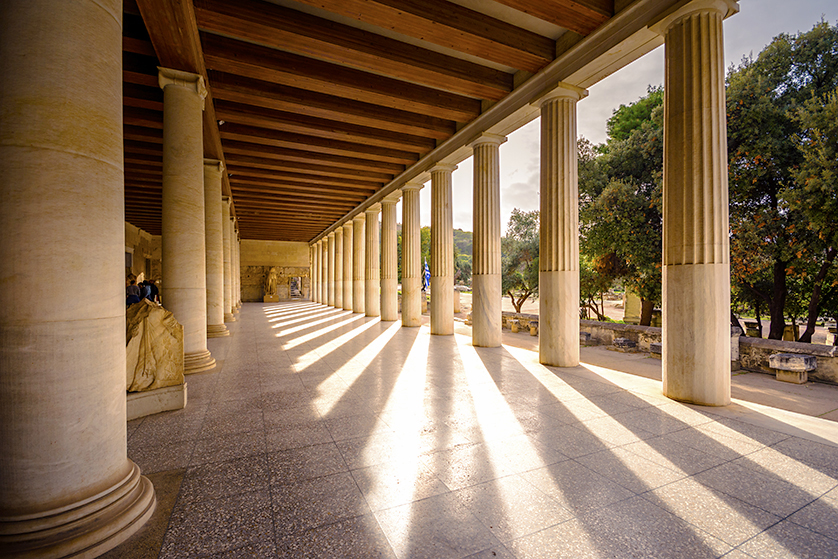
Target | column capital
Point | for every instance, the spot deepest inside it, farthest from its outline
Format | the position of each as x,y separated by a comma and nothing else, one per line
331,235
444,167
347,225
359,217
218,165
392,198
562,91
374,209
412,186
168,76
724,7
487,138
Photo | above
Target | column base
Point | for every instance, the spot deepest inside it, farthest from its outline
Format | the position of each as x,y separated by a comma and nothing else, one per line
442,305
198,362
217,331
85,531
228,317
558,312
411,302
486,310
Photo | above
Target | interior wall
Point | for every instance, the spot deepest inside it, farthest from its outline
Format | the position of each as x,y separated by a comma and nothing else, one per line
291,260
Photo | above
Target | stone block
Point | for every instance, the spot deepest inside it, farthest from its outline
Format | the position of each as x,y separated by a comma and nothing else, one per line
154,349
792,367
533,328
514,325
141,404
656,350
624,345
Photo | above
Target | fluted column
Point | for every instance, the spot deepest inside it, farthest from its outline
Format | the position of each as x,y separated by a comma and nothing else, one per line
66,483
442,251
184,246
237,268
486,269
321,272
558,282
226,227
348,246
330,272
372,275
411,257
389,259
358,263
314,255
696,259
215,248
339,266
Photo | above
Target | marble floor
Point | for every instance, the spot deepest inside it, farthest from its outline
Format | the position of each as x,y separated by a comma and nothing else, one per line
323,433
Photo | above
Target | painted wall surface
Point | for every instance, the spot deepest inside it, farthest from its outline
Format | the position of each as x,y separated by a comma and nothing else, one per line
291,260
274,253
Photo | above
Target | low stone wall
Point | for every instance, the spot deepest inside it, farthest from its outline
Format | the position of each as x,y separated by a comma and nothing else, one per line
754,354
605,332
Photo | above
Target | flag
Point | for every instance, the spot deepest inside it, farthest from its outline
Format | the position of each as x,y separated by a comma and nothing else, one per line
426,277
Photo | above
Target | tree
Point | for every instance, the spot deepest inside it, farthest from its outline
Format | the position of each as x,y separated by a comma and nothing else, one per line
771,235
519,255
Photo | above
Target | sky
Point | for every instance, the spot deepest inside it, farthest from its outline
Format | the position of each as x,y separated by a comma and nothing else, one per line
746,33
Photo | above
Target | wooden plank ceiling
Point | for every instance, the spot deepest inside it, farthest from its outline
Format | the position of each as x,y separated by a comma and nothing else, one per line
314,105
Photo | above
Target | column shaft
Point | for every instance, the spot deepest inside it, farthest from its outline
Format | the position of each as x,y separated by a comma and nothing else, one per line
339,256
389,259
372,300
358,264
696,262
226,226
411,257
348,245
558,340
330,272
486,278
442,251
237,269
66,483
184,250
215,248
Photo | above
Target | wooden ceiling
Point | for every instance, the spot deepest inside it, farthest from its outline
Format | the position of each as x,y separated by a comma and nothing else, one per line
315,105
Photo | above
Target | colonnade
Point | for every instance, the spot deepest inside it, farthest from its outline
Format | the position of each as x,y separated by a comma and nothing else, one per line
696,286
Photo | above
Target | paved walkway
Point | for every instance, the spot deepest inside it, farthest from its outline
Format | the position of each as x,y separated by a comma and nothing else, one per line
326,434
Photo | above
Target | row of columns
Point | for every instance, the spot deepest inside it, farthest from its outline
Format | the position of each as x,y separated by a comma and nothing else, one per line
696,286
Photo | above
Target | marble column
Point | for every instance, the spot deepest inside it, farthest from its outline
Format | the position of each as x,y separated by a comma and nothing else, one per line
213,169
339,256
330,264
696,259
558,277
313,272
411,257
348,246
184,252
237,268
372,276
321,272
66,483
226,226
358,263
486,269
442,251
389,259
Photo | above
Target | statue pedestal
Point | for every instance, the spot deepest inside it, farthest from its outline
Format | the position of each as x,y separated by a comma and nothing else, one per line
270,299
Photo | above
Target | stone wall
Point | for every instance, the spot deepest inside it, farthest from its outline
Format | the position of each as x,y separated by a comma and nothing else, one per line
145,250
291,259
754,354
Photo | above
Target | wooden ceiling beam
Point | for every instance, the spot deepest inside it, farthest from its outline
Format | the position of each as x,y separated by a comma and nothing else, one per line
142,134
275,138
307,195
143,97
332,129
303,156
285,29
284,68
579,16
291,99
267,183
245,173
452,26
134,147
254,163
145,118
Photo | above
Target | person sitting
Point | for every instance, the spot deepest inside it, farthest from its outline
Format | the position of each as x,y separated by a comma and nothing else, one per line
145,290
132,293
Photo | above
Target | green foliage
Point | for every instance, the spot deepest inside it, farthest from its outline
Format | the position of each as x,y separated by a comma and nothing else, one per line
628,118
519,254
463,241
592,284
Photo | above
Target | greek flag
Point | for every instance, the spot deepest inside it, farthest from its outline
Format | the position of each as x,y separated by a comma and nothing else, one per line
426,277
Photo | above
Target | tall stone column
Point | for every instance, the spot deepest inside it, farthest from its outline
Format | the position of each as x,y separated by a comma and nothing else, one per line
213,169
696,258
358,263
348,246
66,483
184,251
226,227
558,277
237,277
313,273
486,270
411,257
389,259
339,267
321,267
330,246
372,277
442,251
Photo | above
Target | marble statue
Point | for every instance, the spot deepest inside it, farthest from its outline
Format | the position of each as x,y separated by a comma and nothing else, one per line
270,282
154,348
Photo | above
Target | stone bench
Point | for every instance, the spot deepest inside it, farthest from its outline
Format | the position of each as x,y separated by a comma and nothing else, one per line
533,328
514,325
792,367
656,350
624,345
